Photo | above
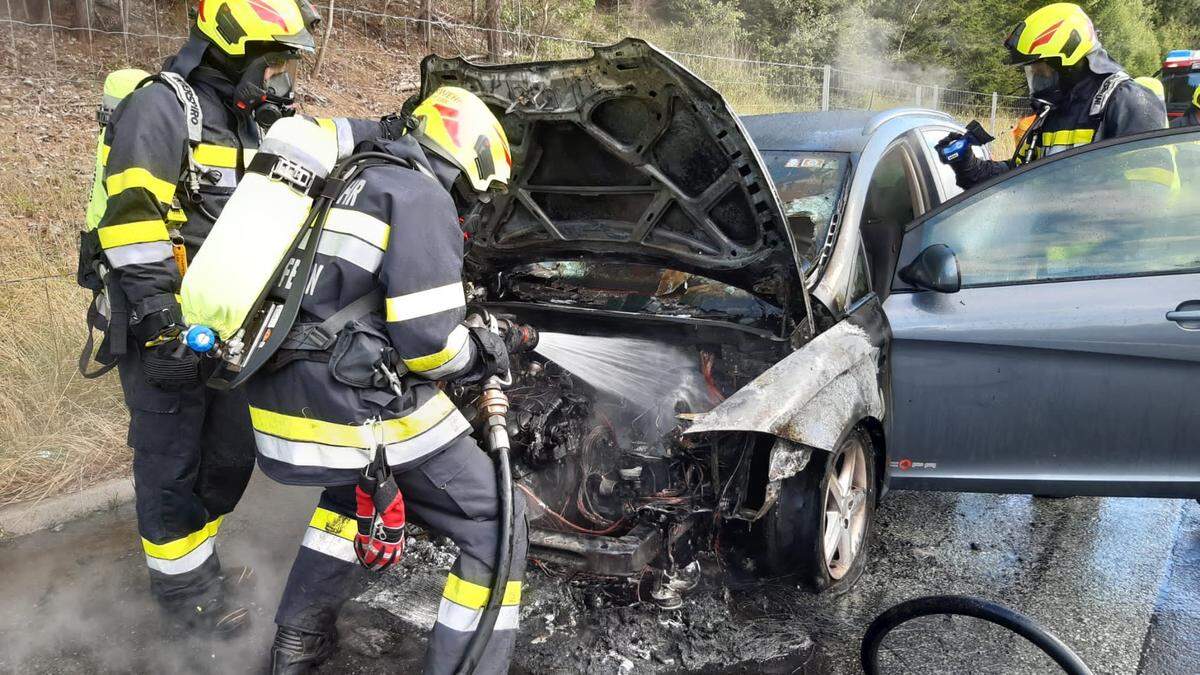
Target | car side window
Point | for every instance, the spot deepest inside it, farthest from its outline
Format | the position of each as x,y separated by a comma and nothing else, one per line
891,203
1123,210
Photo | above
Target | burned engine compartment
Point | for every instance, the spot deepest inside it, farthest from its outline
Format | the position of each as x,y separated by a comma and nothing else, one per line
613,485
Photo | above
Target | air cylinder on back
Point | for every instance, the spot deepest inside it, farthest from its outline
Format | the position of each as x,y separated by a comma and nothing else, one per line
256,229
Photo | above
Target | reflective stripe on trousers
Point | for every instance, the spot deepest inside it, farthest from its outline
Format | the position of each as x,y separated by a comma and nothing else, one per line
454,494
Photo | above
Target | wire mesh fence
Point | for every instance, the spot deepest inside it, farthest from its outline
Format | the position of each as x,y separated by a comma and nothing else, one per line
53,56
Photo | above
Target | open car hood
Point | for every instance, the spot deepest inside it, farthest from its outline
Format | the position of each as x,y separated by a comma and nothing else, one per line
627,156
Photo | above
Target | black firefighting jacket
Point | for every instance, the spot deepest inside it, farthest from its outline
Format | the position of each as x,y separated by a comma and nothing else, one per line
393,231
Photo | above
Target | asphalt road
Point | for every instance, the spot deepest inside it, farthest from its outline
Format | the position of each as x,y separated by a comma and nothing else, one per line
1117,579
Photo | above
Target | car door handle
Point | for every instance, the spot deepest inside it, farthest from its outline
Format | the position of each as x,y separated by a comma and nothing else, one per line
1184,315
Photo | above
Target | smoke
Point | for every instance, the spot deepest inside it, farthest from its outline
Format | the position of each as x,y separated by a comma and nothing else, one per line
78,599
866,54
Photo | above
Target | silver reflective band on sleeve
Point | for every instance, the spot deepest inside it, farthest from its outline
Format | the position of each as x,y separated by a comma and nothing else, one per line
351,249
139,254
460,341
358,224
329,544
305,453
464,619
424,303
345,137
187,563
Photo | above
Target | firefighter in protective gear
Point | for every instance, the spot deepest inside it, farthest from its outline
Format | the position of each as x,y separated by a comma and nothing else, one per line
1192,117
321,410
1085,95
193,446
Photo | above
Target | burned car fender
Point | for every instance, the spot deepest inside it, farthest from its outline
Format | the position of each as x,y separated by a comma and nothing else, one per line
807,400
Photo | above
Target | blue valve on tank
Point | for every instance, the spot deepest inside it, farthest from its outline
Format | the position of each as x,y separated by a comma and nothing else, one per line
200,339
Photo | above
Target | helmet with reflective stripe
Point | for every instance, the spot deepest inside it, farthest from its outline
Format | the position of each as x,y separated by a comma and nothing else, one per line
457,126
1060,33
1196,97
233,25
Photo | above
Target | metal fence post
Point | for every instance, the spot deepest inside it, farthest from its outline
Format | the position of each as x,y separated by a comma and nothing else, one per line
937,98
995,102
920,91
826,75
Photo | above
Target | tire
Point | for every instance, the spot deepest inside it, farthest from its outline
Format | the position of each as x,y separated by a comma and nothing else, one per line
792,541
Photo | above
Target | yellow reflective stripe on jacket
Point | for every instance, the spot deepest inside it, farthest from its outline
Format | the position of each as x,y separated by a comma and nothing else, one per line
1068,137
102,153
463,592
455,353
137,177
173,550
326,124
138,232
305,429
334,523
221,156
424,303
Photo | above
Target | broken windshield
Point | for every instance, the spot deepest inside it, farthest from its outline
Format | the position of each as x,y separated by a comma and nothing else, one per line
630,287
808,184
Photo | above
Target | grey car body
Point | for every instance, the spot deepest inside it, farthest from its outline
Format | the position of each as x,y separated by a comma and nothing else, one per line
1073,384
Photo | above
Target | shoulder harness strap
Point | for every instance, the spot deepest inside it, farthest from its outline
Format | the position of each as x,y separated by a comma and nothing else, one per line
1105,92
193,117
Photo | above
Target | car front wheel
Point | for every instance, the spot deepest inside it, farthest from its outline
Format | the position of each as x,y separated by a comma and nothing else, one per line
819,528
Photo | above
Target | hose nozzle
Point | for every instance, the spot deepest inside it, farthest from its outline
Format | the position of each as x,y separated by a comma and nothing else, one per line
519,337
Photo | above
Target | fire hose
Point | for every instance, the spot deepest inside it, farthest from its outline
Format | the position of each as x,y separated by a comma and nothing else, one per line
978,608
493,405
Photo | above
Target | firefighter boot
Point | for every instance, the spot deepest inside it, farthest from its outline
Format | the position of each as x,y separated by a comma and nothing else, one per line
214,617
296,652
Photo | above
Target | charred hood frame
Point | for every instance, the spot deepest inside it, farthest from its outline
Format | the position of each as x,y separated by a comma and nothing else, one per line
628,155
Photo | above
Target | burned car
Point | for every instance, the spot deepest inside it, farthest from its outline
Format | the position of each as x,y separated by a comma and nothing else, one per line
688,390
751,327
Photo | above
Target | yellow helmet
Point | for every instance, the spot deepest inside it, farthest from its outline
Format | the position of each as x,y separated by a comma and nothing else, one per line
454,124
1061,31
231,25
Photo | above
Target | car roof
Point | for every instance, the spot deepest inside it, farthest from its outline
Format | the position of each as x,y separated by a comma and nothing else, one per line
833,130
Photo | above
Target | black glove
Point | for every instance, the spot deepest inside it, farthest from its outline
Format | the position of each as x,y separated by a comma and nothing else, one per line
493,355
171,366
950,138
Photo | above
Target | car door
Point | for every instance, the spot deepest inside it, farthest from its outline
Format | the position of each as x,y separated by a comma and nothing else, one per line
1068,362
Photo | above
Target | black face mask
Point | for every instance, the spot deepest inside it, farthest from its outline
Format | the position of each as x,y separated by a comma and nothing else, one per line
266,102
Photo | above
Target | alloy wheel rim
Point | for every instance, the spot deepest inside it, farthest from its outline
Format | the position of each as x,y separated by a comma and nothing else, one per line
844,526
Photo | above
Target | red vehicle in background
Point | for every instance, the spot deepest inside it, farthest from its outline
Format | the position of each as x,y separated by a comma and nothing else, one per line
1180,76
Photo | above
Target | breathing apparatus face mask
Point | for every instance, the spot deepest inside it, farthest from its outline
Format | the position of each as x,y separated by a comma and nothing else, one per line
1043,79
265,91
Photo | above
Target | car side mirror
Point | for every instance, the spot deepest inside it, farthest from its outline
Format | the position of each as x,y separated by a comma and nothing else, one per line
934,269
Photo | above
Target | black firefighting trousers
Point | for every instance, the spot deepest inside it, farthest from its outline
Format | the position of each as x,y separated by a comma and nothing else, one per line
193,453
453,493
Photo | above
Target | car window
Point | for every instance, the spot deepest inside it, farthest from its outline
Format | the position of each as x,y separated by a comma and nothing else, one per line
890,204
1123,210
